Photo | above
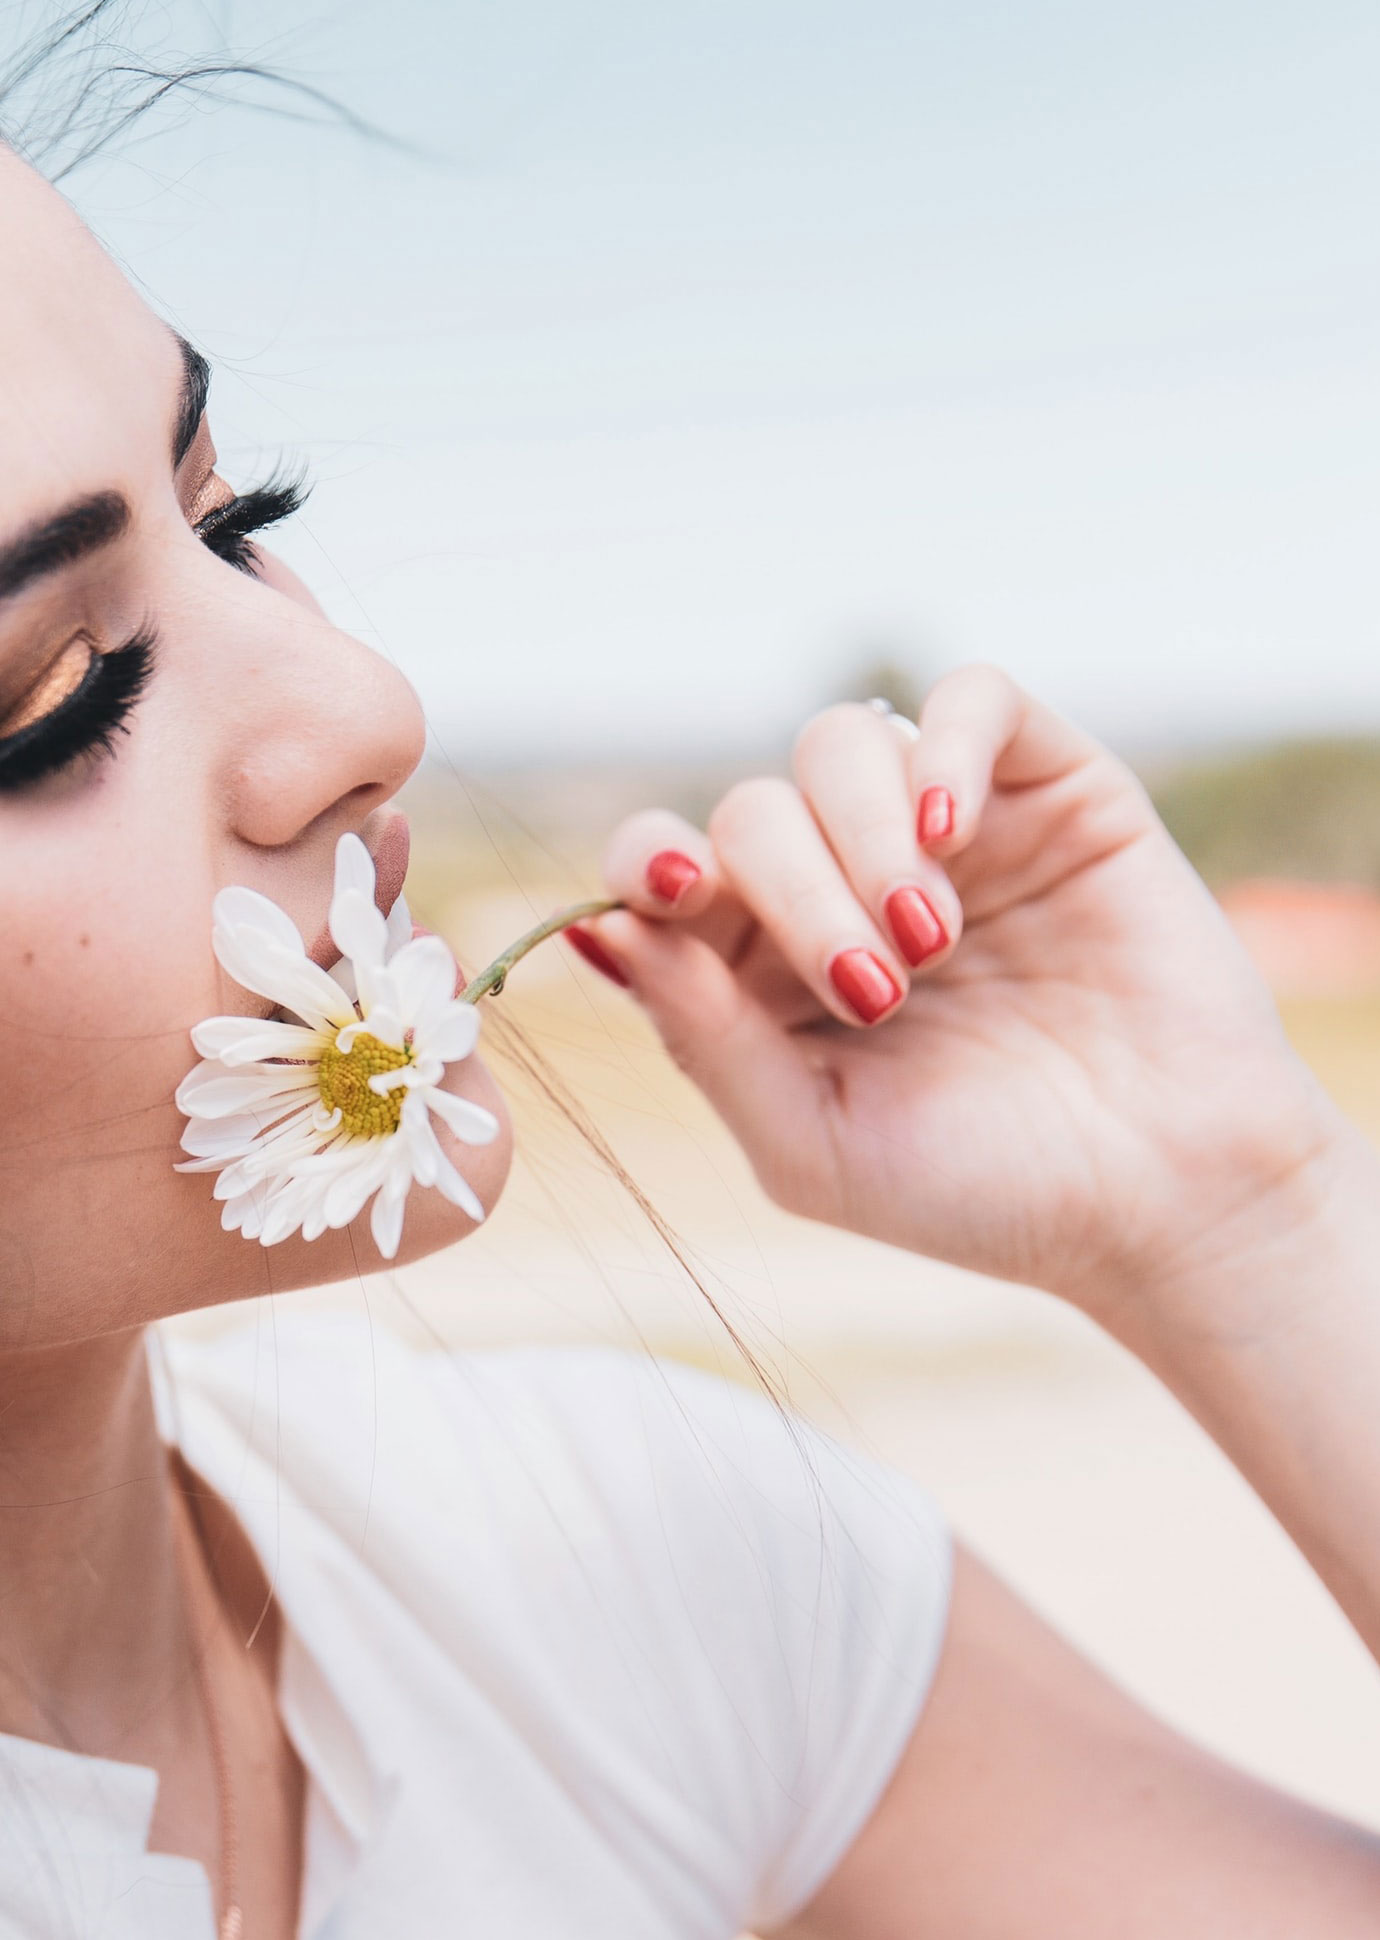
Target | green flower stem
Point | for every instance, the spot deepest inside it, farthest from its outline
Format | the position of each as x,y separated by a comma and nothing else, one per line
490,982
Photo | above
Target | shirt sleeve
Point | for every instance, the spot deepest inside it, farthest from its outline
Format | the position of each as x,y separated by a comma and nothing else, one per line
750,1632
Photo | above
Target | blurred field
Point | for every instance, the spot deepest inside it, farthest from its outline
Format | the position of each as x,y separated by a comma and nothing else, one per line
1055,1455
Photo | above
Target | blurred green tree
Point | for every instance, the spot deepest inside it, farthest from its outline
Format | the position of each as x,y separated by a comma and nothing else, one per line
887,676
1307,809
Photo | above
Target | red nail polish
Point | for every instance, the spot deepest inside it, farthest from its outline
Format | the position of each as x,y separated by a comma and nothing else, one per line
670,874
864,983
596,955
936,818
915,926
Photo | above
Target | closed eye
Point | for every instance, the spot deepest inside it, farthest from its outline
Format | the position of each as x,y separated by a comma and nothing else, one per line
86,720
228,529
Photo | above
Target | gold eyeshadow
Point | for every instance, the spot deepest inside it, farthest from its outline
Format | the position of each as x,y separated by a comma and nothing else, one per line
60,679
209,490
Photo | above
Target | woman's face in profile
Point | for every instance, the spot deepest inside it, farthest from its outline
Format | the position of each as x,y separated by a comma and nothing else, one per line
259,735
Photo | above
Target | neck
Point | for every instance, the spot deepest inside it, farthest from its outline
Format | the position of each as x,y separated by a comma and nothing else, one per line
93,1649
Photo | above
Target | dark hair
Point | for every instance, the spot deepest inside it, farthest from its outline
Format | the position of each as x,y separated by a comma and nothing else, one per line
75,89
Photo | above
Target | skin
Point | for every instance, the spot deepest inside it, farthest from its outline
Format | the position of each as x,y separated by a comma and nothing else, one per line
1088,1091
242,765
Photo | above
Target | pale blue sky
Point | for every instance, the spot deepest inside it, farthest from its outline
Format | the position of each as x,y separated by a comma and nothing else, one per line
729,339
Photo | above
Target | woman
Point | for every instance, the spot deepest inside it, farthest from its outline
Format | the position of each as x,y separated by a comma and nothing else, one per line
557,1645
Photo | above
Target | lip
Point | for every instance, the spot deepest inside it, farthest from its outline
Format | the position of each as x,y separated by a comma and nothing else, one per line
388,839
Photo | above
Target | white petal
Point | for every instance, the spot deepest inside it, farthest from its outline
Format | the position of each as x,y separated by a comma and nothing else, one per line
424,976
422,1150
314,1221
383,1082
342,1155
259,964
343,973
245,1214
358,927
386,1220
243,1040
284,1214
210,1091
468,1121
237,908
459,1191
433,1168
354,866
209,1138
450,1036
382,1022
430,1165
386,1025
399,921
345,1195
277,1155
207,1164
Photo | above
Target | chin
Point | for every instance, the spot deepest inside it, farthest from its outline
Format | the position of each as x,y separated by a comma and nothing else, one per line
241,1269
432,1222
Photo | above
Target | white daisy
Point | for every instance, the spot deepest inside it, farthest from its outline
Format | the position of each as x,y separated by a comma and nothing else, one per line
304,1121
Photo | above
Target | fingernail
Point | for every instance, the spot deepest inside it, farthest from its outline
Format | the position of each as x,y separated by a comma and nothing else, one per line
596,955
670,874
936,818
917,929
864,983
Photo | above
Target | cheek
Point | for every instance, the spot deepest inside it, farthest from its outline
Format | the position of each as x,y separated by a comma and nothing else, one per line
101,977
105,963
216,1266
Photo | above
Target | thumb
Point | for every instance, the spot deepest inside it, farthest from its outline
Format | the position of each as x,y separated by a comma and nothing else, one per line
754,1074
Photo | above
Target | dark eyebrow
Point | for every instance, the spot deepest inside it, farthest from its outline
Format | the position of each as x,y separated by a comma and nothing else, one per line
88,524
79,529
191,402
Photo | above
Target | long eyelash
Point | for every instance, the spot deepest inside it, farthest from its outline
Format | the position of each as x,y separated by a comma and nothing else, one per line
87,722
227,529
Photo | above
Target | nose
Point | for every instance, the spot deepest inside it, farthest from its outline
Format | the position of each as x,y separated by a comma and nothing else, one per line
320,722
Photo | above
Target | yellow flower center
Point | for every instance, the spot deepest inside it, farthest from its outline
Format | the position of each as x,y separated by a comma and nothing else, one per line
343,1080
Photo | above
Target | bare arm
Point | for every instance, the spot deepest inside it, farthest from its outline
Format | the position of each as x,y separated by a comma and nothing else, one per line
1036,1801
1059,1068
1268,1330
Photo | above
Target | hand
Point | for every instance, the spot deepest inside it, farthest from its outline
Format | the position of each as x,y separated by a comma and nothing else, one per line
1018,1036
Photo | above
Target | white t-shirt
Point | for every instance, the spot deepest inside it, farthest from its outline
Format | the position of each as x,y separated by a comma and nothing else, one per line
577,1646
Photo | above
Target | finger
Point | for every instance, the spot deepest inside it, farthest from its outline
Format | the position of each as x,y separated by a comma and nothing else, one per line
771,850
850,765
900,724
978,728
661,865
753,1072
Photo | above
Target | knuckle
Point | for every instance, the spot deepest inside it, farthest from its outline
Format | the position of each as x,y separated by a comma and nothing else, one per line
831,728
744,806
979,685
810,905
946,744
876,825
